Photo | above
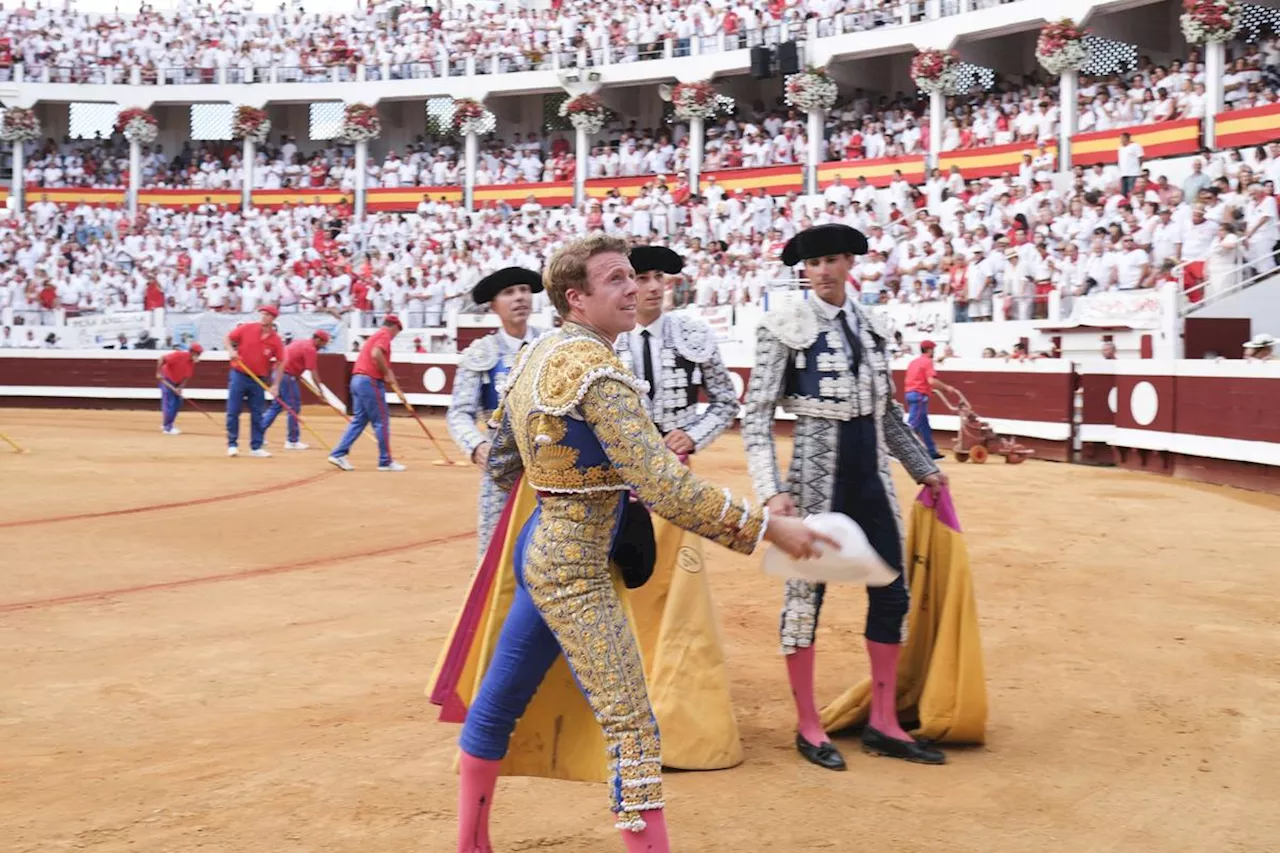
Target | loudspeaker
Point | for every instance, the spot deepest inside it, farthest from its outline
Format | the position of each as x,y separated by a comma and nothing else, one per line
788,58
761,62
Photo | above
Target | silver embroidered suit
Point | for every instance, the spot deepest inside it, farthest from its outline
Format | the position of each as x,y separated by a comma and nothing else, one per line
689,359
802,365
482,370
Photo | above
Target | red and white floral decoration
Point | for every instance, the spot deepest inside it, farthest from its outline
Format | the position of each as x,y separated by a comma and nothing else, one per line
1210,20
470,116
585,112
811,90
360,123
936,70
137,125
1061,47
699,100
252,124
19,124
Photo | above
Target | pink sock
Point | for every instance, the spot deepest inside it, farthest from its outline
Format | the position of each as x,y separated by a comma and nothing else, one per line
478,777
800,666
651,839
884,689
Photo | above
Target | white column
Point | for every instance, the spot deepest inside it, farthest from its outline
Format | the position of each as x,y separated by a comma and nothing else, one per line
472,155
362,159
1215,56
817,135
17,188
246,176
937,112
1067,120
581,151
697,148
135,176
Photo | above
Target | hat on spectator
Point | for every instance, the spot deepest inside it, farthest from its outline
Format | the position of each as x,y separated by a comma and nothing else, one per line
1260,342
494,283
927,345
195,349
270,309
656,259
321,335
823,240
392,320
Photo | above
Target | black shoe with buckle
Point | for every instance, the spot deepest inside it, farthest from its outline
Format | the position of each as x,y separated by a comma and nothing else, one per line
824,755
878,743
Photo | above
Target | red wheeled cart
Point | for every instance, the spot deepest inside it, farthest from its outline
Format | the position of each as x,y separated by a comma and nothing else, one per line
976,440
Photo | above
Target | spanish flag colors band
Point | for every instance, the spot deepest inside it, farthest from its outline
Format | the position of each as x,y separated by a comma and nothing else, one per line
1239,128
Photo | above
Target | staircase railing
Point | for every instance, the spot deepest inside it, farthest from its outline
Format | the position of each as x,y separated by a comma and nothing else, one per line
1198,296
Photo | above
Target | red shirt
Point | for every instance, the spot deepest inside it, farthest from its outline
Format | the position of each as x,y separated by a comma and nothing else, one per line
177,367
258,352
301,356
365,365
919,372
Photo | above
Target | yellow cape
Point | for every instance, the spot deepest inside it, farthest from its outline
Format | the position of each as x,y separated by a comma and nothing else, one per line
940,675
558,736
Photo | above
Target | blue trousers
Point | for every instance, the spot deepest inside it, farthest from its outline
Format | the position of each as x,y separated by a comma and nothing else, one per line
291,394
169,405
526,649
918,417
369,399
239,389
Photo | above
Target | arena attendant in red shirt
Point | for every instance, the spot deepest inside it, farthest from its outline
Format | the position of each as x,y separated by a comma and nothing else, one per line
370,377
172,372
922,379
299,357
257,352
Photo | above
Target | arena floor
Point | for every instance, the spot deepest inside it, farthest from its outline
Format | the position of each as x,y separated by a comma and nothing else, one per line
205,654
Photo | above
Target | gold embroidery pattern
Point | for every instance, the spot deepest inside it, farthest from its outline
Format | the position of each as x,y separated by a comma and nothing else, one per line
567,574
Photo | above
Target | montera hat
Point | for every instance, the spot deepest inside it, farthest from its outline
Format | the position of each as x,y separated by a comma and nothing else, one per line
823,240
656,258
494,283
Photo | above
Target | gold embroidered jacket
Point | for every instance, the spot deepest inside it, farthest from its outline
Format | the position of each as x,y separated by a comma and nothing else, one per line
572,419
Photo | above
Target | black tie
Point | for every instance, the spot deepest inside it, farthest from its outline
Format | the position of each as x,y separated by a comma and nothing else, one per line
855,347
648,365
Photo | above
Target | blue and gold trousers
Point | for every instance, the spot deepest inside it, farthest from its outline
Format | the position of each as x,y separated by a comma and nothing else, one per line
565,601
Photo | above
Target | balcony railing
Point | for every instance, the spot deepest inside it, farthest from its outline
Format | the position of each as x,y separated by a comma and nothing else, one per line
449,63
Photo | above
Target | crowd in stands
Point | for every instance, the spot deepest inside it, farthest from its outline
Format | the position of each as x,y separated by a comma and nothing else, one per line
862,126
992,246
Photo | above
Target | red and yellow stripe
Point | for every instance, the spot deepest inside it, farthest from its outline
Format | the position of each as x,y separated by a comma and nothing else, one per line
1253,126
992,161
408,198
74,195
187,198
278,198
1163,139
778,180
548,194
878,172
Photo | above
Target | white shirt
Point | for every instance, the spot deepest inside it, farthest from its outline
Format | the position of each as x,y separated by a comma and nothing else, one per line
655,348
850,318
1130,160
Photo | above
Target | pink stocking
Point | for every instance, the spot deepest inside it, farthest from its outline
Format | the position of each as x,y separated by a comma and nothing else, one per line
884,689
475,799
651,839
800,666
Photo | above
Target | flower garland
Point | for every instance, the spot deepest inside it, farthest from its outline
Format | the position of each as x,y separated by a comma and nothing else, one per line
252,124
360,123
1061,48
811,90
470,116
137,125
699,100
1210,20
585,112
936,70
19,124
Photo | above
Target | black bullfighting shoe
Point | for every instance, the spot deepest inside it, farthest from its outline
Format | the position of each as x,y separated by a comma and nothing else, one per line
825,755
876,743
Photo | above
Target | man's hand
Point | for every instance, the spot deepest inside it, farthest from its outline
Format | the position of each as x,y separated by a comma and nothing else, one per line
480,456
936,483
781,504
797,539
678,442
